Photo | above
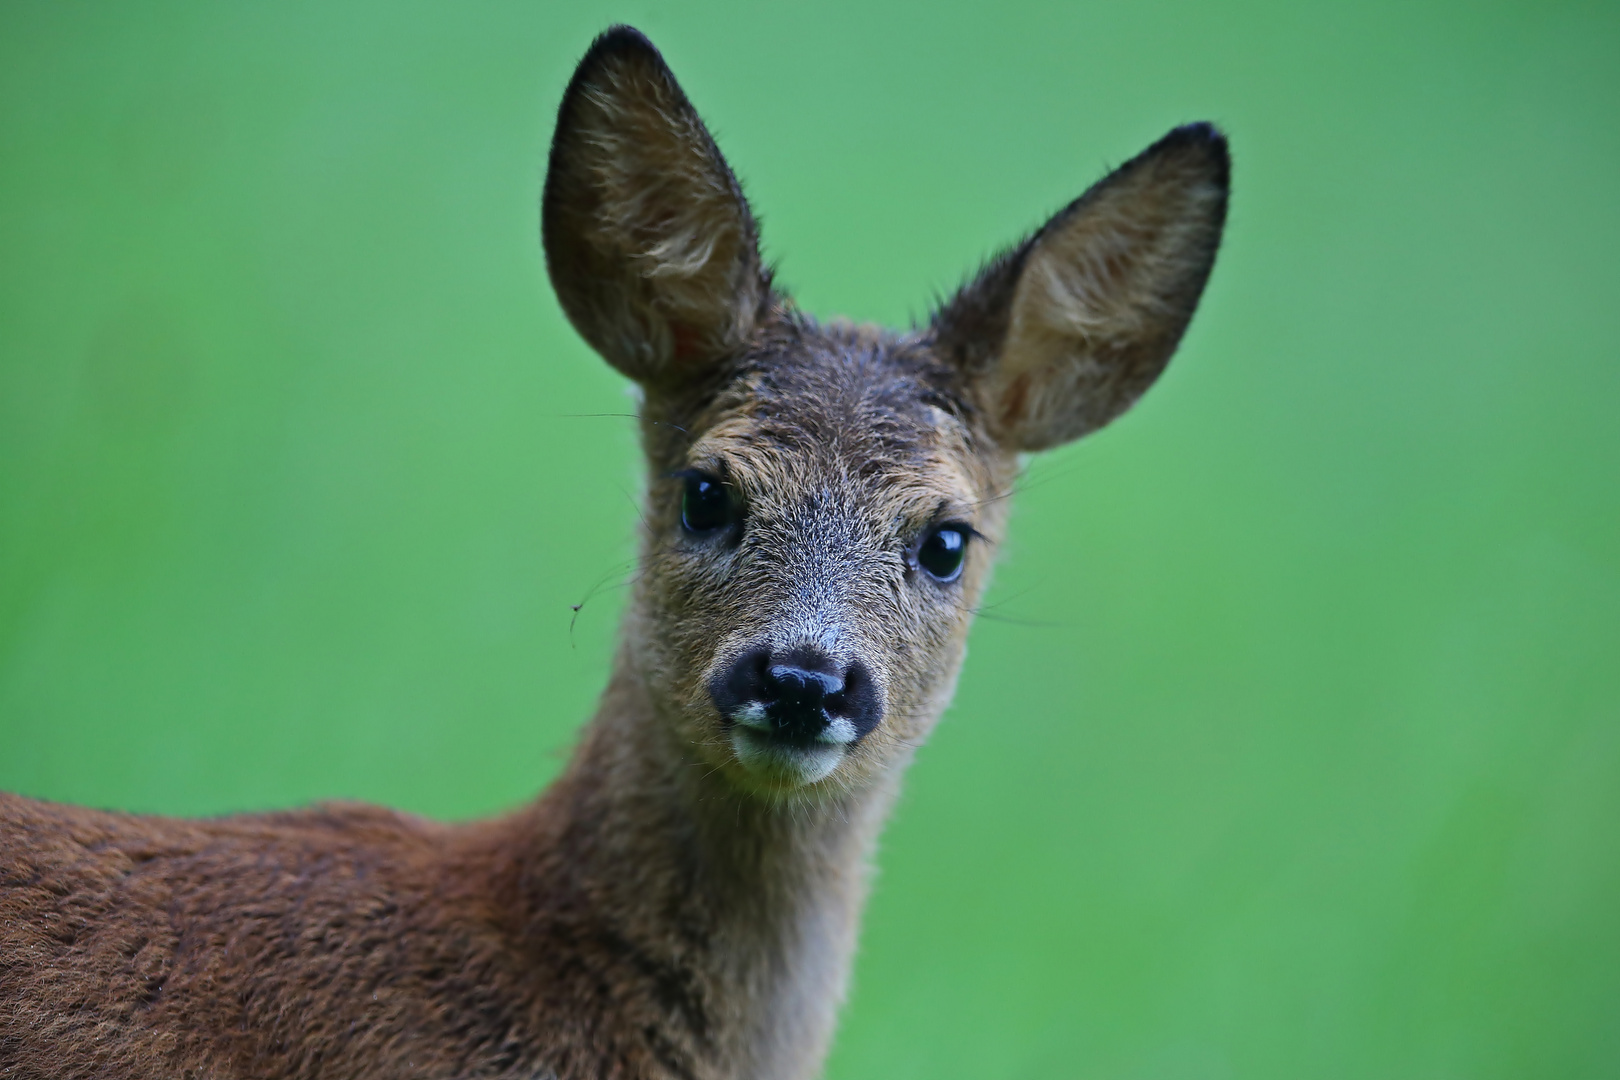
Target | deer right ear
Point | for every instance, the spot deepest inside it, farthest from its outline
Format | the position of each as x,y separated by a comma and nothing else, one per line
649,242
1065,331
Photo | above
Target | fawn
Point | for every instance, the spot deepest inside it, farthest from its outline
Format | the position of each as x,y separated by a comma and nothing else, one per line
822,505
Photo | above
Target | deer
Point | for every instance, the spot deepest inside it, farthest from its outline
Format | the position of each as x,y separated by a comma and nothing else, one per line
823,503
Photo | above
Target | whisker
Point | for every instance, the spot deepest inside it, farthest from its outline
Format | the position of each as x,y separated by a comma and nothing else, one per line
988,611
625,415
599,586
1012,620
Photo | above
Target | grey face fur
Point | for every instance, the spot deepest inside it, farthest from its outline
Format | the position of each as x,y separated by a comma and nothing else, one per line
842,450
838,447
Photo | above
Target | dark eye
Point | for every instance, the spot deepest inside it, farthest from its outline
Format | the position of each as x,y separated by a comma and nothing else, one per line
941,551
705,506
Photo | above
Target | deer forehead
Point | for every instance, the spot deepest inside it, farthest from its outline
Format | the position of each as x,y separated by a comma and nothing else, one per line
859,433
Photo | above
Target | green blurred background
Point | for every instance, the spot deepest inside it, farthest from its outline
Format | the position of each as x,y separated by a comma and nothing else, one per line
1296,751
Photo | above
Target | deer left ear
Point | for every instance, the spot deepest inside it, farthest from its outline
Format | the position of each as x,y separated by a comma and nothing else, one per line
649,242
1064,332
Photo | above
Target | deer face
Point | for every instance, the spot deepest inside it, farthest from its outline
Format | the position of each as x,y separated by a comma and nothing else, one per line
825,500
818,536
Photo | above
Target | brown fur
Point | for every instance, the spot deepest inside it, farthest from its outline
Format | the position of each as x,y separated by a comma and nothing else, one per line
666,909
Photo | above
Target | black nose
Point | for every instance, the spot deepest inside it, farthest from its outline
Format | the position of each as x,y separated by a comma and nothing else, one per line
801,696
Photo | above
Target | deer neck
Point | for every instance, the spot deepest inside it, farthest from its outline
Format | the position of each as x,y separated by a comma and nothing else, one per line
754,902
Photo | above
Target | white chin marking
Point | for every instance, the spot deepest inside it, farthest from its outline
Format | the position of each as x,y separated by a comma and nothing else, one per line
840,732
794,764
751,714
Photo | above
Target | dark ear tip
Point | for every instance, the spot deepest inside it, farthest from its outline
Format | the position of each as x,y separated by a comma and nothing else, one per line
1202,139
617,43
1199,131
618,47
617,40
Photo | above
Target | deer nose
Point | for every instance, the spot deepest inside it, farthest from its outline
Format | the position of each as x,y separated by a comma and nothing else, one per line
802,696
796,698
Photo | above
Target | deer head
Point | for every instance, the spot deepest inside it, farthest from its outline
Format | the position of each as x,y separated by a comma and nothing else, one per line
825,499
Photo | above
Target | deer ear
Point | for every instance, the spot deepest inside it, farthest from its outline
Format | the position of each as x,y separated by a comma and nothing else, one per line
1064,332
649,242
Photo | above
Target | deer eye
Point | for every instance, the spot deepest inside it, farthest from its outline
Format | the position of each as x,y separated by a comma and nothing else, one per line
705,505
941,551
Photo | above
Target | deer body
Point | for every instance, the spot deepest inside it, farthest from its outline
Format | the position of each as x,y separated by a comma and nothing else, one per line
683,902
629,923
